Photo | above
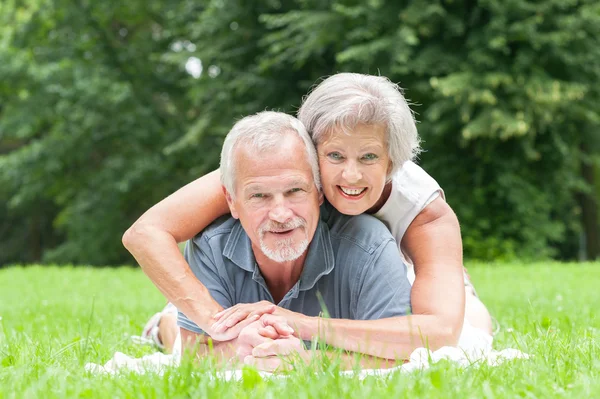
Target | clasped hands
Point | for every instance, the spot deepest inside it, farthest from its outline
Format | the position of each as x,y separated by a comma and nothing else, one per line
261,335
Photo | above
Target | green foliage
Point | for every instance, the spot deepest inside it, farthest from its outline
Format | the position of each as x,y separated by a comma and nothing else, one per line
99,118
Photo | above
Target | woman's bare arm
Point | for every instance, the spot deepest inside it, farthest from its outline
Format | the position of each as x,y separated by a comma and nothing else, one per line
434,245
153,239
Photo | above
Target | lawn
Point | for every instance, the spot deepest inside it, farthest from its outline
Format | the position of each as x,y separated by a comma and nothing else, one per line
56,319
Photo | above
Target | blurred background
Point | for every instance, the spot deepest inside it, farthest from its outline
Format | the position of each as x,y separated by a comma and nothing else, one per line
106,107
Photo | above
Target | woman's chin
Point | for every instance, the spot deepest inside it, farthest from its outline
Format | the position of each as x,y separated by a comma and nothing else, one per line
351,209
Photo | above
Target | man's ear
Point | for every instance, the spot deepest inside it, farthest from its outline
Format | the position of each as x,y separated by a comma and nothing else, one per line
230,202
321,197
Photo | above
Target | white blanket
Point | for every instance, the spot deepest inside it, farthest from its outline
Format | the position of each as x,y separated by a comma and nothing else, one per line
475,348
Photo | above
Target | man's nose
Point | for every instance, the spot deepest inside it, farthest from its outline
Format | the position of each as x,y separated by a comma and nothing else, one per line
351,172
280,212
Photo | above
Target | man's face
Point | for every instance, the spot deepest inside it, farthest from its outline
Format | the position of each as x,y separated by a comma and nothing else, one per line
276,199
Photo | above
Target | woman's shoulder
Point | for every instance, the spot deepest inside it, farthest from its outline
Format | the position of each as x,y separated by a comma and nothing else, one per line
412,190
411,186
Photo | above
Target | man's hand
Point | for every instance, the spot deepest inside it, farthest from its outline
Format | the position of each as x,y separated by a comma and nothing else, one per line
230,322
259,332
228,334
277,355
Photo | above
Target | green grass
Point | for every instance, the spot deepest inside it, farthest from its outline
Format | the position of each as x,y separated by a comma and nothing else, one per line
56,319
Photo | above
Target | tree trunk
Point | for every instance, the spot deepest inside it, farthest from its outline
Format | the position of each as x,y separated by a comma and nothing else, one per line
589,208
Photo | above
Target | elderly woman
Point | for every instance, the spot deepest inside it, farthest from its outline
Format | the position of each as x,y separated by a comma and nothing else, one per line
366,137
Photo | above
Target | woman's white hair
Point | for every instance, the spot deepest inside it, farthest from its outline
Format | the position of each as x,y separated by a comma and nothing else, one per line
263,132
345,100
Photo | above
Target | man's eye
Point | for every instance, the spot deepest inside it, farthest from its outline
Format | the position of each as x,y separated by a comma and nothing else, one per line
295,190
258,195
336,156
370,157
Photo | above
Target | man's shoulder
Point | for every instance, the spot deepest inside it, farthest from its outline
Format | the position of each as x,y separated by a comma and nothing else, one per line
364,231
217,232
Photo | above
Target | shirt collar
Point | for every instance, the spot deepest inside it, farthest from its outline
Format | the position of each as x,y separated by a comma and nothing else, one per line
319,260
238,248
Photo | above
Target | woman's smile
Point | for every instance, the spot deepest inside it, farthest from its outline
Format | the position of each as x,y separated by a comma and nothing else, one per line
353,192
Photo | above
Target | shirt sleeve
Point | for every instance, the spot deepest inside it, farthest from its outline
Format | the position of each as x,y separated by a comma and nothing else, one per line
383,290
202,264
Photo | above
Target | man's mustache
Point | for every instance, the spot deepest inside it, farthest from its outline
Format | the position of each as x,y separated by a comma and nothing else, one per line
274,226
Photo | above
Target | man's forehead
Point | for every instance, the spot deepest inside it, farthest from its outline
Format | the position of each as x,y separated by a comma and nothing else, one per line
250,161
283,179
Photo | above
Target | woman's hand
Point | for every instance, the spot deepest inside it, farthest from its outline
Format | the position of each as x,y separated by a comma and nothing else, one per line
230,322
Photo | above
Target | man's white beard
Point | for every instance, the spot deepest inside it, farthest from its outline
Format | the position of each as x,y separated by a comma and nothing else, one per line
285,251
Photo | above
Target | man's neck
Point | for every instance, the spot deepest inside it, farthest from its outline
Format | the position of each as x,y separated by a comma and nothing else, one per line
280,277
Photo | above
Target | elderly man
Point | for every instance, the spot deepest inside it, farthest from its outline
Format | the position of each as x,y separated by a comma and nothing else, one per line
277,248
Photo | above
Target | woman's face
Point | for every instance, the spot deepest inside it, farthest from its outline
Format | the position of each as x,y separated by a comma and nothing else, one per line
354,167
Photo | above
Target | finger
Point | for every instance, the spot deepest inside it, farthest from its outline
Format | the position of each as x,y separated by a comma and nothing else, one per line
279,324
231,316
218,315
268,309
268,332
225,312
230,320
218,325
283,328
233,332
278,347
236,317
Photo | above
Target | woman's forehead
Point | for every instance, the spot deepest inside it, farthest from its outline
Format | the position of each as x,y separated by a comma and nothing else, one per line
360,135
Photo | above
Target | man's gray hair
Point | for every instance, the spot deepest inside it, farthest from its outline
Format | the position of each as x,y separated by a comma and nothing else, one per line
345,100
263,132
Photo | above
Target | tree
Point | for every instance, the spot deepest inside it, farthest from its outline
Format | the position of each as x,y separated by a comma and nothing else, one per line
107,119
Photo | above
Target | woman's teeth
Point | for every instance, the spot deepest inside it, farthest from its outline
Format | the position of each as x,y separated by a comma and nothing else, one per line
352,191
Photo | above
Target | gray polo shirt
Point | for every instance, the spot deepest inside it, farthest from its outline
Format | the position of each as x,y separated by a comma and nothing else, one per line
353,270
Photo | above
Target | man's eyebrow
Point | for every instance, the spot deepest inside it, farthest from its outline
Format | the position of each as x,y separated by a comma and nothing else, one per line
299,182
254,187
258,187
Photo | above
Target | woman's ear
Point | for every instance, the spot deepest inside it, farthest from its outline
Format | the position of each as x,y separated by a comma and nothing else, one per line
230,202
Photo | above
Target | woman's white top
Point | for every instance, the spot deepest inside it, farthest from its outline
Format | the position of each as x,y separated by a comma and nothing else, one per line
412,190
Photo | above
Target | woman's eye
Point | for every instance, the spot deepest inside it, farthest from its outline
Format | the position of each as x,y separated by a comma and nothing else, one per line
370,157
336,156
